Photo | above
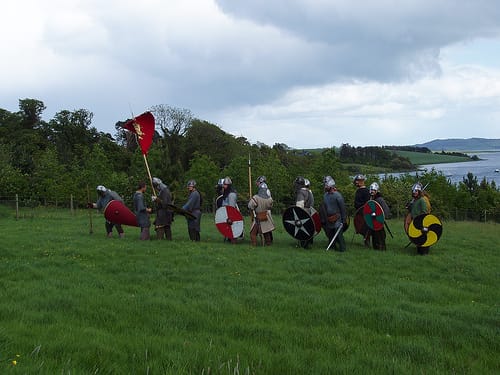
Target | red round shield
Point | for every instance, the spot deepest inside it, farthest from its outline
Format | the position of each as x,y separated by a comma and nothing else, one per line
116,212
229,222
317,220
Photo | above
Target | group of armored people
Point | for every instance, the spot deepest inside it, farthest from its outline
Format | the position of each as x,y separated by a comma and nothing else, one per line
332,211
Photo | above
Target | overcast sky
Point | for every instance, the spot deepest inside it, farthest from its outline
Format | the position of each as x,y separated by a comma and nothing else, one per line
307,73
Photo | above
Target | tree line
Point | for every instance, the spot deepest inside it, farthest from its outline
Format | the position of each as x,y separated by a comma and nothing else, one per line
44,161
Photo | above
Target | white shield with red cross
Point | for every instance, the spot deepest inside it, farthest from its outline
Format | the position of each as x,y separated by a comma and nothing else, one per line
229,222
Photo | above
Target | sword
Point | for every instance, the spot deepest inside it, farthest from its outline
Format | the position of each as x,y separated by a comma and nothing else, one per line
387,226
335,236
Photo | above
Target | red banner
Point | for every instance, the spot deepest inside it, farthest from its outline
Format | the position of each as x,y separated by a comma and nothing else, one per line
144,127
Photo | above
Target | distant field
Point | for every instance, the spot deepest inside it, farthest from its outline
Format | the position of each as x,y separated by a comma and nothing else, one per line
419,158
75,303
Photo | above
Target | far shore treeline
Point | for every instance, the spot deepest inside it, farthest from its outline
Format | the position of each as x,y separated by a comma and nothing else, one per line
45,162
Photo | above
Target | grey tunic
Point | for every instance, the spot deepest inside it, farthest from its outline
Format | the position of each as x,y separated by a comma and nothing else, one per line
140,210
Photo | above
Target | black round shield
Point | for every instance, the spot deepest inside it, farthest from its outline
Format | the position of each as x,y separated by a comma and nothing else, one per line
298,223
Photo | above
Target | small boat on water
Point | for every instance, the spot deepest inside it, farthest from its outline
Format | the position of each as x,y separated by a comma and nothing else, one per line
497,170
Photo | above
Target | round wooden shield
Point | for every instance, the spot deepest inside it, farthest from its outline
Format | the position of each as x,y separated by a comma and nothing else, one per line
229,222
298,223
116,212
359,220
373,215
425,230
316,219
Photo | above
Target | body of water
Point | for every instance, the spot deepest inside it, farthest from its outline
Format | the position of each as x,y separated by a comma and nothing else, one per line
486,167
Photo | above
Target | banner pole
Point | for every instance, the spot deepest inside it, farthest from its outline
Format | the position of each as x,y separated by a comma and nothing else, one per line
90,211
149,174
249,177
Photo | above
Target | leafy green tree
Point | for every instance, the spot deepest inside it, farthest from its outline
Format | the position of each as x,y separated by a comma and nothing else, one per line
208,139
71,133
49,180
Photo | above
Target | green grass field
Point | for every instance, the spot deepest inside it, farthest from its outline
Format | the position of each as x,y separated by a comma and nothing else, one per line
79,303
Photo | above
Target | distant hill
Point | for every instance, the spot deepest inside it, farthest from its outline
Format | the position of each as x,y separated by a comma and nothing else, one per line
460,144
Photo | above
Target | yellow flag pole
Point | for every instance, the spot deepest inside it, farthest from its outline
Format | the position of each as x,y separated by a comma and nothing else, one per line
249,177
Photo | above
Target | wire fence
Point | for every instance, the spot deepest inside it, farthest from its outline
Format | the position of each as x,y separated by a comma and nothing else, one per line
22,207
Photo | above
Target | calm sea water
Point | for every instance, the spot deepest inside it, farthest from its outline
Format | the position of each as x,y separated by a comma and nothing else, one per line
490,161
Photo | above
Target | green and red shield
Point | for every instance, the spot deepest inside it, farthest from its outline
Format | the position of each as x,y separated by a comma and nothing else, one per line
373,214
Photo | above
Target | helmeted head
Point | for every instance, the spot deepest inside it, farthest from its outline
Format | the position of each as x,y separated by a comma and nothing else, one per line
307,183
101,189
327,178
191,184
374,188
260,180
329,183
156,181
264,191
227,181
416,188
359,179
299,182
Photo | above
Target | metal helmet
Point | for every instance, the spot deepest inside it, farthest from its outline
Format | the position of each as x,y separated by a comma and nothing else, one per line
101,188
307,183
359,176
374,187
260,179
327,178
156,181
330,183
191,183
416,187
300,181
227,181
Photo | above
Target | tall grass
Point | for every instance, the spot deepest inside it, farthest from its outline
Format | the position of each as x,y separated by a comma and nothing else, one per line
78,303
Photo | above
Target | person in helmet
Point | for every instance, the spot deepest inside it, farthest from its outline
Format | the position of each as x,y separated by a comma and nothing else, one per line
333,214
361,196
417,206
228,197
142,212
260,205
105,196
303,199
219,190
163,220
193,205
378,237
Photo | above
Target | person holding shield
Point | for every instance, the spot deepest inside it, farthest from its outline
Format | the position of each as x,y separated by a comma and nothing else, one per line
361,196
379,236
228,197
416,207
305,200
106,196
334,215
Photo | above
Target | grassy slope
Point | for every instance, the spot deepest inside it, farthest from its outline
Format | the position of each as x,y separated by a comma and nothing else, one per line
80,303
419,158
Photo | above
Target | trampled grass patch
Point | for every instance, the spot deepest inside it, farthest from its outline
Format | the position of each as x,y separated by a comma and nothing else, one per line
74,302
